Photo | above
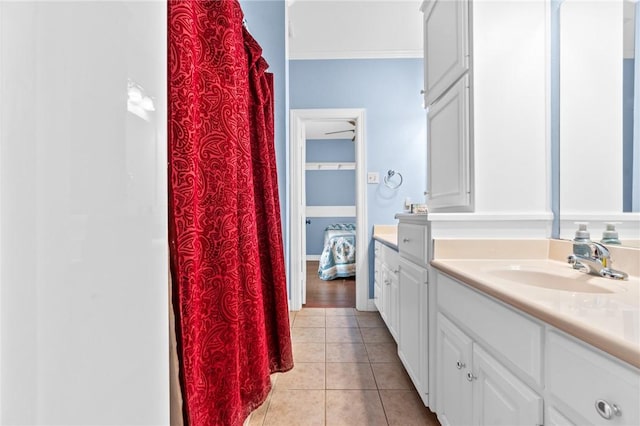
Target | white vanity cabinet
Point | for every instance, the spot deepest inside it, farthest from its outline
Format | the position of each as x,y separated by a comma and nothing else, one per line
475,388
497,365
472,385
386,285
413,330
586,386
390,288
453,359
377,275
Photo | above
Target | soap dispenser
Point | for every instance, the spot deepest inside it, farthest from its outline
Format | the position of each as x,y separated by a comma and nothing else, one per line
610,235
582,238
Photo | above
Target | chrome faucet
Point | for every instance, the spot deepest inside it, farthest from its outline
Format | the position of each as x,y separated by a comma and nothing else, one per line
597,263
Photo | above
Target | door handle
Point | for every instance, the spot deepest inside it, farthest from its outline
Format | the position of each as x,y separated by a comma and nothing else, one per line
308,221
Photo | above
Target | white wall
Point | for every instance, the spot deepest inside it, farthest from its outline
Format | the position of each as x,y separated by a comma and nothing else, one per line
83,254
510,106
591,107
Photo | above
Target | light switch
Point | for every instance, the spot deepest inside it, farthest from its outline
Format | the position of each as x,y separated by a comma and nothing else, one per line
373,177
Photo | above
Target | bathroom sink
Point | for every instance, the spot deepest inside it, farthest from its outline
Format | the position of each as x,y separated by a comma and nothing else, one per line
569,280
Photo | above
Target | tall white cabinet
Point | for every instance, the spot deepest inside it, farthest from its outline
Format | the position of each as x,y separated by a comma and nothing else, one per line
447,99
486,99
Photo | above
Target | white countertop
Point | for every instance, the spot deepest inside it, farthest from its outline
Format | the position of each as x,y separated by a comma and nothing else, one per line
387,234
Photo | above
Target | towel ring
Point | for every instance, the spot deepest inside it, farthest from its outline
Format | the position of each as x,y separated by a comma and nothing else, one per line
392,184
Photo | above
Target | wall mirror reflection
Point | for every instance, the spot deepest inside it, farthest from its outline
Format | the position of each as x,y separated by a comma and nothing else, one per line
599,124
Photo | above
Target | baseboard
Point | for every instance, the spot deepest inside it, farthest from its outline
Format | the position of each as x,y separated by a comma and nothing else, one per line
313,257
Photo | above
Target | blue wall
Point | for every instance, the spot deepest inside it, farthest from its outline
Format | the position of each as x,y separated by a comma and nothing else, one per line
265,20
389,90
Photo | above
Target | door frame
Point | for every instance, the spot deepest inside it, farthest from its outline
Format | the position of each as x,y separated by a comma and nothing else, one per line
297,243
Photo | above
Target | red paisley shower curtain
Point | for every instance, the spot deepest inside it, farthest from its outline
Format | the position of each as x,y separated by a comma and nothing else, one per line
224,216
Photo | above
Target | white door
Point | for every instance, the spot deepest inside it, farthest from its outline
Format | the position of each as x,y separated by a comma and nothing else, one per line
303,256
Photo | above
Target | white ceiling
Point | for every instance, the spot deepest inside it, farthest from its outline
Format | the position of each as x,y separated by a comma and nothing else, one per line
354,29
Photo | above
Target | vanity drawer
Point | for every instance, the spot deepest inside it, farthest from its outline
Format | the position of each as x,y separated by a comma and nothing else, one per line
579,375
512,335
412,242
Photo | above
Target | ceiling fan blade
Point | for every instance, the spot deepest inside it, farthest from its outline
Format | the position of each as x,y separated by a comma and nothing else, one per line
340,131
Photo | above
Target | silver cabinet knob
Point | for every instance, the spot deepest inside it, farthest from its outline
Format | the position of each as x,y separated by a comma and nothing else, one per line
606,410
470,376
460,365
405,240
395,271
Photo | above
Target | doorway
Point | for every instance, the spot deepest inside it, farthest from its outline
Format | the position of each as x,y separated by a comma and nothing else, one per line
313,123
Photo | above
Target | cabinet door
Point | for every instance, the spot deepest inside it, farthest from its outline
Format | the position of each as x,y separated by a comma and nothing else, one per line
453,362
413,284
499,397
446,45
377,276
392,264
449,169
386,295
389,311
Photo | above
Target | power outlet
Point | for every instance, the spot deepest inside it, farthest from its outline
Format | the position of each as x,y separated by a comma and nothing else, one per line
373,177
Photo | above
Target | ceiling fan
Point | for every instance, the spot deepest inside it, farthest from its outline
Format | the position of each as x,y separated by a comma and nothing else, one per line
353,123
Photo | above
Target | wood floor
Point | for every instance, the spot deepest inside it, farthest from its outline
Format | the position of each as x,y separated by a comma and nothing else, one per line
338,293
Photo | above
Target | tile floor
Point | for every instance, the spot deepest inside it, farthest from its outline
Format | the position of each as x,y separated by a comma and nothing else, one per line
347,372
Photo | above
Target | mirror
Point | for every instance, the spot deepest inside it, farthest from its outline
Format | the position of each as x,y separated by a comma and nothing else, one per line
598,169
